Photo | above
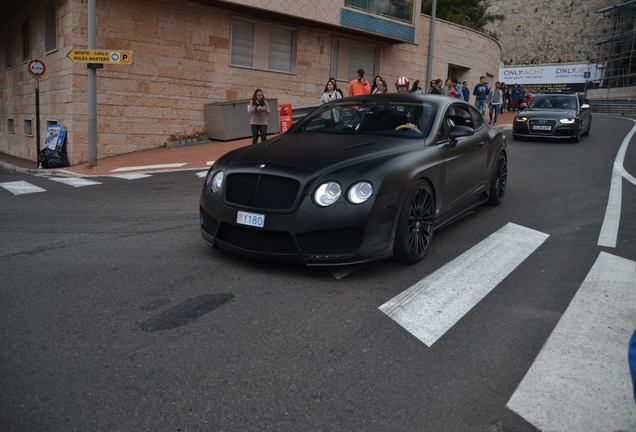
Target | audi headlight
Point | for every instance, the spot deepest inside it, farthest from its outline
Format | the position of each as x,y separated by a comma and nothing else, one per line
217,182
521,119
327,194
360,192
567,120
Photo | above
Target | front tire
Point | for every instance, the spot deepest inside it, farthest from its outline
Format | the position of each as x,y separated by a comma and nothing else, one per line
415,224
499,181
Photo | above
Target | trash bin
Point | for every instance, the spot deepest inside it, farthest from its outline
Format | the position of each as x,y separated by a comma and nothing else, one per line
230,120
285,116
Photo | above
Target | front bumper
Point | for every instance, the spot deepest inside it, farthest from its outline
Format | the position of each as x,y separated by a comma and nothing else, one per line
537,128
336,235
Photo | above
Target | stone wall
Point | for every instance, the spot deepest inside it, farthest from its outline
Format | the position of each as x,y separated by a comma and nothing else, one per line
547,31
181,62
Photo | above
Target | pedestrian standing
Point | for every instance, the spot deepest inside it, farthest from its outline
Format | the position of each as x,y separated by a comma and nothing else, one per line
494,100
481,93
357,87
465,91
417,87
259,110
331,93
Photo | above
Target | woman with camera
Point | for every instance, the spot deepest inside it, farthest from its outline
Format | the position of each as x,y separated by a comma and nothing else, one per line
259,110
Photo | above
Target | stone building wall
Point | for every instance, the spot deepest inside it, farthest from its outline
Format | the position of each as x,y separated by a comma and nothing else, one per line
181,62
548,31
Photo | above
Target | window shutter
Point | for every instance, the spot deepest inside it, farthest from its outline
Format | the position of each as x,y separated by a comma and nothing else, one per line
280,49
242,43
361,57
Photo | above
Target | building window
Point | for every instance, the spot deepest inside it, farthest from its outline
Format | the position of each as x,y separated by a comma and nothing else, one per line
7,48
349,56
26,40
10,126
262,46
50,26
28,127
397,9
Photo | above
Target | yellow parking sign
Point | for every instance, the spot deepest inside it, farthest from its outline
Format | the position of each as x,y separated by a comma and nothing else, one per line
101,56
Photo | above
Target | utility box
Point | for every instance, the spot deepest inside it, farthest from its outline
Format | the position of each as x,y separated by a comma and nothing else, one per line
229,120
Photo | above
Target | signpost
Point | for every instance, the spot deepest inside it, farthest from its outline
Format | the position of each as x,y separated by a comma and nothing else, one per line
37,69
95,59
101,56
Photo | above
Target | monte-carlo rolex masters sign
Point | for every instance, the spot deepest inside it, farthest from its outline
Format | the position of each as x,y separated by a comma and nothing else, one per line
567,77
101,56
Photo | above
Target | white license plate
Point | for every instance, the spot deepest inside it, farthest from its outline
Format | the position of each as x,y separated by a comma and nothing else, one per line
541,127
251,219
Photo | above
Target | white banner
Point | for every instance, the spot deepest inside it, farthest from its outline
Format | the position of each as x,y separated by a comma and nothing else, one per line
561,74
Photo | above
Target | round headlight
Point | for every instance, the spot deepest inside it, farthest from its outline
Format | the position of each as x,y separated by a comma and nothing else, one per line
360,192
217,182
327,194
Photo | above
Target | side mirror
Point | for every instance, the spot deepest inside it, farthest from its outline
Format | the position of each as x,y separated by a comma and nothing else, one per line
523,106
585,106
460,132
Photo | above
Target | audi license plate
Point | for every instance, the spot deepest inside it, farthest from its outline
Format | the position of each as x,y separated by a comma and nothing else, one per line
541,128
251,219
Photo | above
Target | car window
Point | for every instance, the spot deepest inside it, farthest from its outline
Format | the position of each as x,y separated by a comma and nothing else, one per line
409,120
459,115
554,102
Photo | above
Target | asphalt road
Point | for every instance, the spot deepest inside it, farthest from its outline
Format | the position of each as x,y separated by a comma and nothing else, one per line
115,316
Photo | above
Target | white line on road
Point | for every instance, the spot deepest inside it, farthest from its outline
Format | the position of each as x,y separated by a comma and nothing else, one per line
135,168
75,181
130,176
609,230
432,306
21,187
580,379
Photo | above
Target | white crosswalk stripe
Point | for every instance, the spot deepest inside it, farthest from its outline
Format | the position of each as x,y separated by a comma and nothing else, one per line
580,379
21,187
432,306
130,176
75,181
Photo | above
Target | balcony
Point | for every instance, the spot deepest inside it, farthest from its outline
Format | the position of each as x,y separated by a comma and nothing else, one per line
397,9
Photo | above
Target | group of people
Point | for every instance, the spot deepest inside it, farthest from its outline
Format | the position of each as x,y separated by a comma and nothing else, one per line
494,100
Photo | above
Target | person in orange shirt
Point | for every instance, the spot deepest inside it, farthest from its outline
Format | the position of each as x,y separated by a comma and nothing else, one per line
359,86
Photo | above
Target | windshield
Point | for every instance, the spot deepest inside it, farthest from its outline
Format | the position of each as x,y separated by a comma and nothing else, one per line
409,120
552,102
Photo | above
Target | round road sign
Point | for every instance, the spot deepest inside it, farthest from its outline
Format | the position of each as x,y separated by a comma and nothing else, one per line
36,67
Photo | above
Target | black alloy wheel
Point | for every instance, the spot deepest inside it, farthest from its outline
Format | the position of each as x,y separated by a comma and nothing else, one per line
499,181
415,224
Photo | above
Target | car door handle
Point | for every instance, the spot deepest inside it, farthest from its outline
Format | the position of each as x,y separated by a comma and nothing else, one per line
481,144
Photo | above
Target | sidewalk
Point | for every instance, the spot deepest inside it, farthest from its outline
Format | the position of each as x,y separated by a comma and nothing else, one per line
195,157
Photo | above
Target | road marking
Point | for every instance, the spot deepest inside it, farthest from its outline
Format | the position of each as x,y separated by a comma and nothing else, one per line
432,306
609,230
202,173
135,168
131,176
580,379
75,181
210,162
21,187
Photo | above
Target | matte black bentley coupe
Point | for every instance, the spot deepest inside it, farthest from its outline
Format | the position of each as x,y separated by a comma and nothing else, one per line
359,179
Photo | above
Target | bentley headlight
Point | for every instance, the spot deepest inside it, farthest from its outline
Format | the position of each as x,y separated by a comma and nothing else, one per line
217,182
360,192
327,194
567,120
